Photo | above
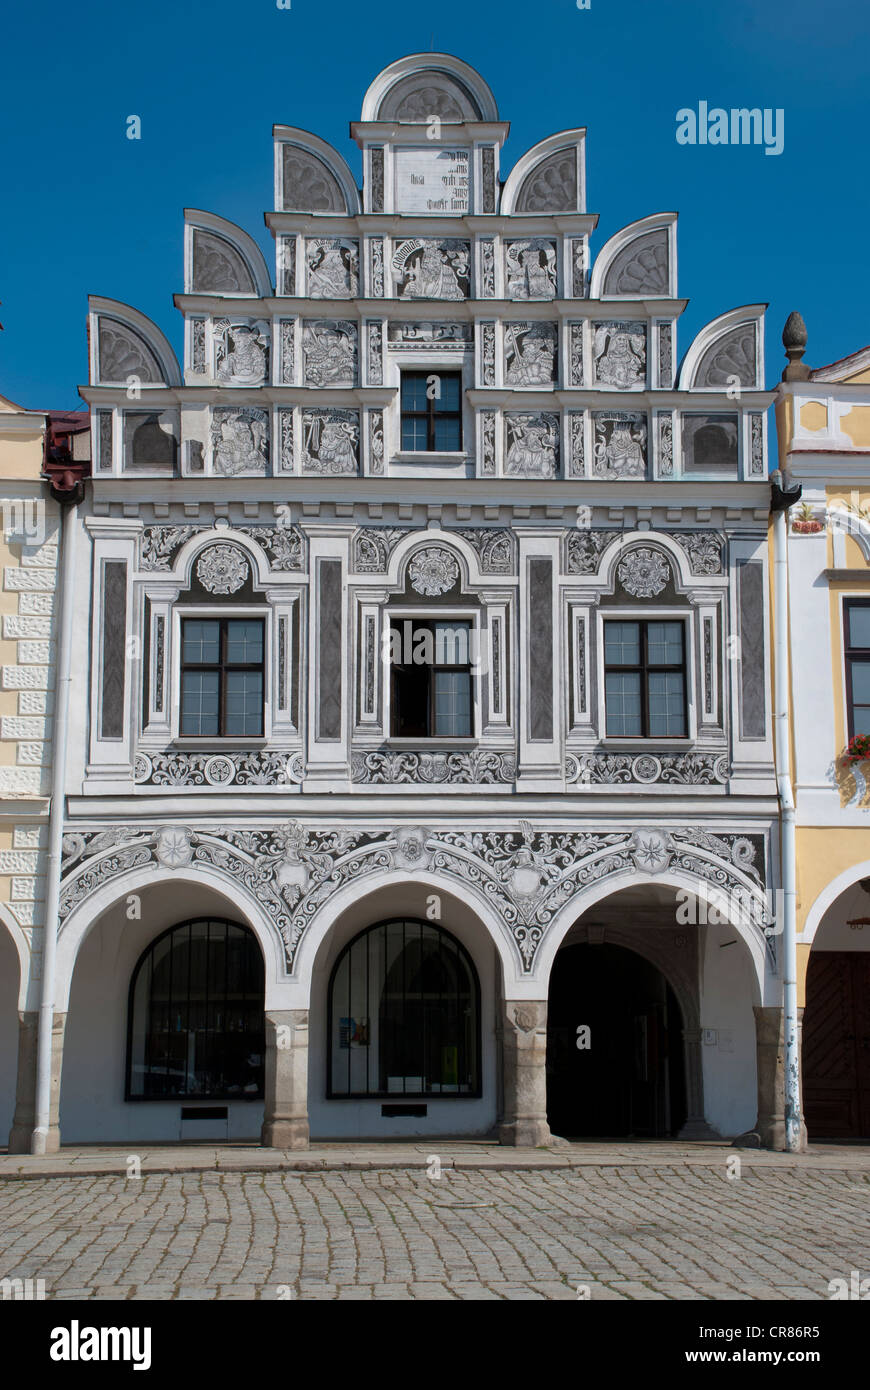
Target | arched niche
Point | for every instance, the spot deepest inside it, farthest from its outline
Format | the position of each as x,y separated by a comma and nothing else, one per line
220,258
550,176
310,176
423,85
124,344
728,351
639,261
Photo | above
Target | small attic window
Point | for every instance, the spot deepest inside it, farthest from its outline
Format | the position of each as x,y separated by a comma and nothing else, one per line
150,443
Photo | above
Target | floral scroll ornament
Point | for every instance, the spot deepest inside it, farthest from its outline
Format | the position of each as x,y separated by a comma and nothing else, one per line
221,569
643,573
433,571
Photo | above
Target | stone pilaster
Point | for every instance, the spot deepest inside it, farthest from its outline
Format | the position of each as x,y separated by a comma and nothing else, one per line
285,1122
21,1133
524,1054
770,1058
696,1126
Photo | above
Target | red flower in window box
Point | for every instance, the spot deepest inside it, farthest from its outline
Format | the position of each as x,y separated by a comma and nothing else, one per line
857,749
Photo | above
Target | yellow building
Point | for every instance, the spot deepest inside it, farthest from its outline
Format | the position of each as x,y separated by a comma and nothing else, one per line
28,546
823,426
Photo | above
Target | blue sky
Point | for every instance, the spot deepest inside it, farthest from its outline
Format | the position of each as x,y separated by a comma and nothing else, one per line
88,211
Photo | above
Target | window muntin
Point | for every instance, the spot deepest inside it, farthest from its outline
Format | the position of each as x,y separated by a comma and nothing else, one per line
431,419
431,693
222,677
196,1016
645,679
857,652
404,1015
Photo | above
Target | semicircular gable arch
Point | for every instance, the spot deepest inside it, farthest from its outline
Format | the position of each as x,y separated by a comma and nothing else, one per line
124,343
311,176
549,177
638,261
194,548
456,549
675,556
423,85
221,258
730,346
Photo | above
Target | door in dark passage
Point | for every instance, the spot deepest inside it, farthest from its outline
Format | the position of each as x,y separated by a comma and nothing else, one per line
836,1046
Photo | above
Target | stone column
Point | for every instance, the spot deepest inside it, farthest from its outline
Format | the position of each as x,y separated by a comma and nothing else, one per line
21,1133
770,1059
285,1122
524,1058
696,1126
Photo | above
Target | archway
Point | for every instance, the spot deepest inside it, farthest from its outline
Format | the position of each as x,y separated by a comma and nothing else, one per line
835,1051
615,1056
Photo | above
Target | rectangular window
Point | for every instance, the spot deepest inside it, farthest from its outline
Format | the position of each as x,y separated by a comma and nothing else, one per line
222,678
645,679
431,679
857,645
432,412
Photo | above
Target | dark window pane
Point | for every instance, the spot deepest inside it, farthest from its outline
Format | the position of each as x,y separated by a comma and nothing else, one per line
414,434
201,645
622,694
244,704
244,643
665,644
414,392
859,626
447,435
861,719
622,644
449,393
452,645
861,682
200,698
666,712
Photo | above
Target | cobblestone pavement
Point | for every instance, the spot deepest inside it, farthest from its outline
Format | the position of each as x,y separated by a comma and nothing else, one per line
668,1232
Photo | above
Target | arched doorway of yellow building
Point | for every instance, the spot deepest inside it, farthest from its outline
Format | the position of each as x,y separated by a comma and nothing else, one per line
835,1053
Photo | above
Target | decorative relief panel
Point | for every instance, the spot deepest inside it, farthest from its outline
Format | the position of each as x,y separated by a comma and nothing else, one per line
376,442
531,445
619,448
666,357
583,550
329,352
288,352
684,769
530,269
376,248
123,354
666,444
426,269
239,441
530,354
526,876
375,354
620,355
286,428
159,545
733,355
641,267
756,445
308,185
575,335
377,158
222,569
579,285
174,769
218,267
477,767
487,341
428,335
496,549
241,352
487,429
577,427
705,550
487,268
488,178
287,253
332,267
105,430
373,546
644,573
552,186
197,346
330,441
433,571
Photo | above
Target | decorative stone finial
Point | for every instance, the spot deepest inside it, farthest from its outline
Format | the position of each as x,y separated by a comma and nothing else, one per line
794,340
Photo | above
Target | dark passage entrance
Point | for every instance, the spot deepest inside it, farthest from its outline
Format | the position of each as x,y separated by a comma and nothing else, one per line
836,1045
631,1079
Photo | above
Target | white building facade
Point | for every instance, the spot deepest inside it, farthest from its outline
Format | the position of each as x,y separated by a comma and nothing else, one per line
426,678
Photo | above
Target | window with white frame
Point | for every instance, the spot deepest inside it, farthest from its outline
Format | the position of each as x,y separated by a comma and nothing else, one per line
431,677
222,675
645,692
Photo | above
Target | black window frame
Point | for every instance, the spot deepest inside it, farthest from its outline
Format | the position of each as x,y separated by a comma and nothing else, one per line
851,656
396,667
258,994
431,412
475,1091
645,669
223,667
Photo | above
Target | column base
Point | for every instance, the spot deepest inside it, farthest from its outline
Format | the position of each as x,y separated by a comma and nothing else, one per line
696,1129
284,1134
525,1134
21,1139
